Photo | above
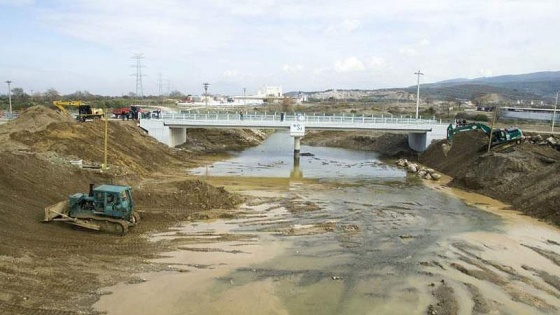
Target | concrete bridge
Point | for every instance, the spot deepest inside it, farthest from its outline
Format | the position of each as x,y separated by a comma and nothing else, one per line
171,128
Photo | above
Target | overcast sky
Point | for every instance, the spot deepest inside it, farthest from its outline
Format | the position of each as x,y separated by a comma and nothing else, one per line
81,45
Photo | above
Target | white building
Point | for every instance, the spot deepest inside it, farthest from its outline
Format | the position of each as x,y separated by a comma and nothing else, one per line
270,91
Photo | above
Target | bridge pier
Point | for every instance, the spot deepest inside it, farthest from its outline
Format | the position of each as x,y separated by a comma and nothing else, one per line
297,145
296,172
177,136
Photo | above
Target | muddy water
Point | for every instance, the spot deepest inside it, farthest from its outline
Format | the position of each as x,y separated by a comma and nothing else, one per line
349,235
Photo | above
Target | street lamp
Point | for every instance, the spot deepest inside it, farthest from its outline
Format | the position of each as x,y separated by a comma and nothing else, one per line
206,84
554,112
10,96
418,92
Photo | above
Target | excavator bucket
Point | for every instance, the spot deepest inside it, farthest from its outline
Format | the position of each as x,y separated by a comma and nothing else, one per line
58,210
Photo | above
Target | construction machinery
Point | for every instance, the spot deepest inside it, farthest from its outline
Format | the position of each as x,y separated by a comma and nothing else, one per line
85,111
133,112
498,136
107,208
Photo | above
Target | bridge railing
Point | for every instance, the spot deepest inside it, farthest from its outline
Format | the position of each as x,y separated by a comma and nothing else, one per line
314,118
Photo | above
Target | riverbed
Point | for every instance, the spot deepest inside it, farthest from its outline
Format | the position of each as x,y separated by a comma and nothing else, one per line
347,233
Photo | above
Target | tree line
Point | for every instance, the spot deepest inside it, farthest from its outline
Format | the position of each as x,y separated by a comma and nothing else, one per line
21,100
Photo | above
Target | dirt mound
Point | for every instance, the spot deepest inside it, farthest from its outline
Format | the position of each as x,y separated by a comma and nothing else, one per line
56,268
34,119
525,175
129,150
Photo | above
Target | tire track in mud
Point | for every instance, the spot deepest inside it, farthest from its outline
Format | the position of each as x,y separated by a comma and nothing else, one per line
487,280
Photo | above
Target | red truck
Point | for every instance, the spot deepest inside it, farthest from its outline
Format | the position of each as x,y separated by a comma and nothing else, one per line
131,112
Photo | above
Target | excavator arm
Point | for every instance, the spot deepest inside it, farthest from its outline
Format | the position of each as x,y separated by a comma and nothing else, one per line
85,111
451,131
497,136
61,105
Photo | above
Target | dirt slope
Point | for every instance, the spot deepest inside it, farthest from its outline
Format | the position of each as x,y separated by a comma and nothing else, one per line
55,269
525,176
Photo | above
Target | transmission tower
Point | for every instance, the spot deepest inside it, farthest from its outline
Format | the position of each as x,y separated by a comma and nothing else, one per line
160,85
139,88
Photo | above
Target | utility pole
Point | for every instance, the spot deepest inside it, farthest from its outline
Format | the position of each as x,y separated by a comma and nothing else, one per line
418,92
10,96
554,112
139,88
206,84
244,100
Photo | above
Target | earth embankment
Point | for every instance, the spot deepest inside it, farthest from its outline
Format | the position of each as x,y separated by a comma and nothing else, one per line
44,157
526,176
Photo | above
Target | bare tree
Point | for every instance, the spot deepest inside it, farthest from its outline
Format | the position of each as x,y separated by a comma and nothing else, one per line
51,95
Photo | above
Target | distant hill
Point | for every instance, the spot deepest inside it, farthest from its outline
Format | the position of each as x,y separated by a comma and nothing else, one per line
526,88
538,85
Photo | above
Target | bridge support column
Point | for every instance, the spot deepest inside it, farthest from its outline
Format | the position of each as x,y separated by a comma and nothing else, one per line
297,145
296,172
177,136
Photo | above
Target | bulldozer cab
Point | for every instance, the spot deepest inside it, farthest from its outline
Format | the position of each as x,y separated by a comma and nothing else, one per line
113,201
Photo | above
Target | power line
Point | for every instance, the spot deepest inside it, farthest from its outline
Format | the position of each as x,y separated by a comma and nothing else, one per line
139,87
160,85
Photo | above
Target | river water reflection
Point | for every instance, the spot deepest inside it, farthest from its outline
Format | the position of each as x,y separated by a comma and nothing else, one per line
358,236
275,158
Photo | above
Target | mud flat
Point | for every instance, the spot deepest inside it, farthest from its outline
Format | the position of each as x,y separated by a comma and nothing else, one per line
300,249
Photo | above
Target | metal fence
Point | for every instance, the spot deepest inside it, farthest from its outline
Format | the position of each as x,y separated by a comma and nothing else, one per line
307,118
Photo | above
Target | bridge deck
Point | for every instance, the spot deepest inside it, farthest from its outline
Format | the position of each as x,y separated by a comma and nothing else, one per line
317,122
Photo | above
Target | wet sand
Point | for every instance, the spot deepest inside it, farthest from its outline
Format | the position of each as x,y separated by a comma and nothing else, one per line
303,248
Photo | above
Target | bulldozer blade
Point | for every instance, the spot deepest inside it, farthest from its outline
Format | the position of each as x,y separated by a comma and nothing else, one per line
58,210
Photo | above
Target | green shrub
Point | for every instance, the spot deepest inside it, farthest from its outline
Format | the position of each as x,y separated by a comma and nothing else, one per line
481,117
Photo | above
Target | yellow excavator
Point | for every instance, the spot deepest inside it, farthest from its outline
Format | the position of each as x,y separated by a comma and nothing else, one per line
85,111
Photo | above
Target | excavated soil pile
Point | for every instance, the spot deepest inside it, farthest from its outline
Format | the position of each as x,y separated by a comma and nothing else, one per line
53,268
524,175
44,131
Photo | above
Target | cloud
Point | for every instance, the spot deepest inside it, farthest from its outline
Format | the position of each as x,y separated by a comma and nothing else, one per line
350,64
375,62
292,68
408,51
344,27
230,74
17,2
257,42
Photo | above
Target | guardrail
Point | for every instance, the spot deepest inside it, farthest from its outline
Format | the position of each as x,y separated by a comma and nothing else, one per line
278,117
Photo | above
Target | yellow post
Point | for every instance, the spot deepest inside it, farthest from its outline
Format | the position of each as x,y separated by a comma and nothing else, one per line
106,140
492,128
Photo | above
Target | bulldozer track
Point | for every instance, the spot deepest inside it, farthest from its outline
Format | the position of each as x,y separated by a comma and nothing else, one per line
116,226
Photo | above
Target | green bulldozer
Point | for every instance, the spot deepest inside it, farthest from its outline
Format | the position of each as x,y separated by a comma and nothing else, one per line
107,208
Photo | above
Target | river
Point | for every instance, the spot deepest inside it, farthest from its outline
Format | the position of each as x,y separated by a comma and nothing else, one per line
349,234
